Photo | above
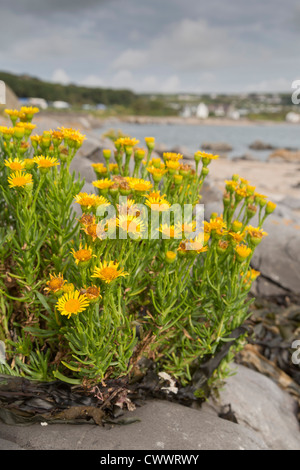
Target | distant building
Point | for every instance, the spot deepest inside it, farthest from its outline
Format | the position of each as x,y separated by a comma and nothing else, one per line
202,111
292,117
60,105
39,102
186,112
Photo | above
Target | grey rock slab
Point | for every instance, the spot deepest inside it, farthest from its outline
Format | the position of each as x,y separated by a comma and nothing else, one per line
163,426
261,405
9,445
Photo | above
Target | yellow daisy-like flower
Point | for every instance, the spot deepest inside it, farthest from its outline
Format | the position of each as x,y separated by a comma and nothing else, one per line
157,203
108,272
103,184
150,142
27,126
99,168
72,137
12,112
172,156
113,167
69,287
139,185
242,252
270,207
206,156
256,232
90,200
131,224
173,164
7,131
130,142
72,303
129,207
55,284
237,237
83,255
251,275
193,245
29,110
15,164
19,179
45,163
170,231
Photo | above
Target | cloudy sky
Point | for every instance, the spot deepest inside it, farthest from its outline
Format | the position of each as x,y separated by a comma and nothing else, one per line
155,45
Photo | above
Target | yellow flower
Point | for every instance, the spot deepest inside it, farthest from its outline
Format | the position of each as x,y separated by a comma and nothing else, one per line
29,110
90,200
193,245
55,284
170,257
131,224
108,272
83,255
12,112
93,293
69,287
129,207
19,179
241,193
157,203
206,157
99,168
7,132
170,231
92,231
15,164
173,164
113,167
237,237
130,142
172,156
45,162
270,207
72,137
150,142
27,126
72,303
139,185
255,232
236,226
231,185
103,184
251,275
242,252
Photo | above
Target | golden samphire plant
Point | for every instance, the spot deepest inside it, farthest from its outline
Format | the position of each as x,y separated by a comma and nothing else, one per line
96,286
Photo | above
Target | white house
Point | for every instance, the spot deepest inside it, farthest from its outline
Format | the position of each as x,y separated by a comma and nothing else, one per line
202,111
292,117
60,105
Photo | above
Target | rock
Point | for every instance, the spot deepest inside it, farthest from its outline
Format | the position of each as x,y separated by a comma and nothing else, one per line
259,145
285,155
278,258
246,156
163,426
216,146
260,404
